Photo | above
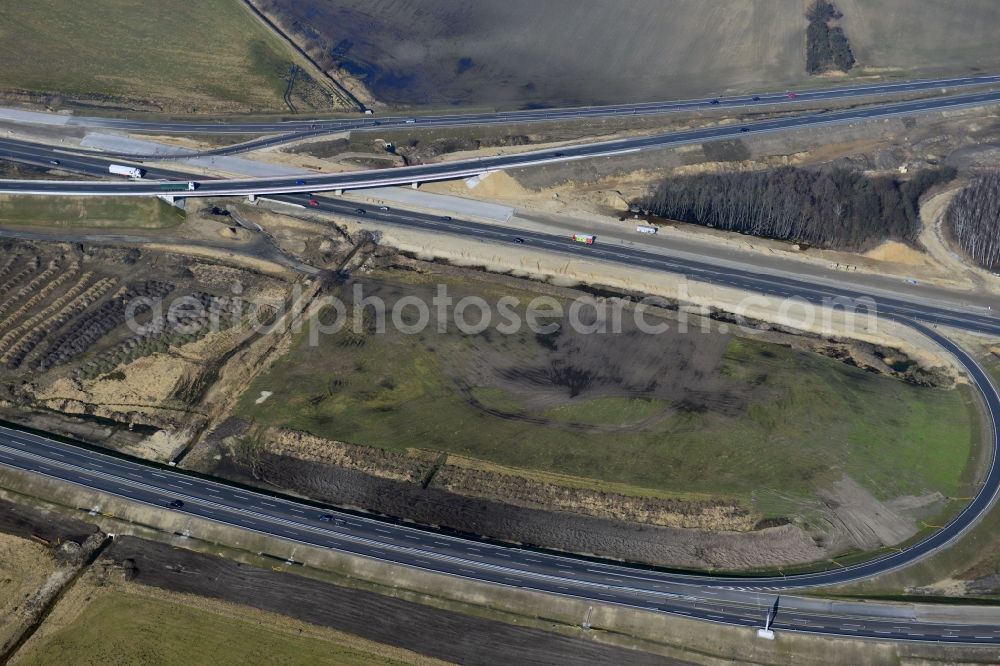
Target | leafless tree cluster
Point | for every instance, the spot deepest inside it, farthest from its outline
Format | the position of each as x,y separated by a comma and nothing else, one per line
839,209
974,220
827,46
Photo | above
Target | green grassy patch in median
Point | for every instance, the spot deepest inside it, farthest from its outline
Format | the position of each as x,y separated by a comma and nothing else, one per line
694,413
89,212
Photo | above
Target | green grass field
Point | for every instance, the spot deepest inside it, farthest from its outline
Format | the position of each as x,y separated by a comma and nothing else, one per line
89,212
121,629
205,56
808,420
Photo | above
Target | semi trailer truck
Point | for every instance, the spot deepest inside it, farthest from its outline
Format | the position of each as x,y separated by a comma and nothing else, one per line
173,187
127,171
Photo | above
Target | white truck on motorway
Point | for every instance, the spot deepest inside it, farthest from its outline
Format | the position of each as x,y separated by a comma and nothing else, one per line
646,229
127,171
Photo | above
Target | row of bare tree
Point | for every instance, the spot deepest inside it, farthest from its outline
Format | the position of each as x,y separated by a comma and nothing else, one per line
836,209
974,220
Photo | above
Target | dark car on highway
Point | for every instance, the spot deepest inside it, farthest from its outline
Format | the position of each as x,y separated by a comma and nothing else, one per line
300,182
361,211
744,129
326,518
176,504
714,102
518,240
756,99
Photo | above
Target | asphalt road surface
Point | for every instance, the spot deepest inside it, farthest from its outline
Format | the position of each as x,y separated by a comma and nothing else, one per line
289,131
738,601
468,168
322,126
843,295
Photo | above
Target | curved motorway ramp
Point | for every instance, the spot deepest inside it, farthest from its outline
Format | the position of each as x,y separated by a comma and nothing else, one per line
723,599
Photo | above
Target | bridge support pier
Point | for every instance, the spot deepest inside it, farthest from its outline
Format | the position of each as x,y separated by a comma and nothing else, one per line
415,185
339,193
252,198
176,202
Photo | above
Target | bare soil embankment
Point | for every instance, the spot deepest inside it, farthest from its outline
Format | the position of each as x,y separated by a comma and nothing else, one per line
567,531
67,345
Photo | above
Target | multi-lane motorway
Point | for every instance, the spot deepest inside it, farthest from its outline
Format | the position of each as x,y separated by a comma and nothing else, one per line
467,168
736,601
725,600
831,94
741,601
297,130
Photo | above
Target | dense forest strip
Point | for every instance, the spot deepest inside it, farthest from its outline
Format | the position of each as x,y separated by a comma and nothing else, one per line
837,209
973,219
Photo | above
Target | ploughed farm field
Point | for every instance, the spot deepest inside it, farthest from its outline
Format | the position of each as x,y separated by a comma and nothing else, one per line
522,53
